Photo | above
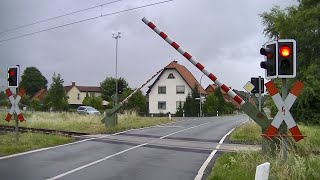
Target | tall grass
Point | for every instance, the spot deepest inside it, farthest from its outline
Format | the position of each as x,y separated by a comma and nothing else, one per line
242,165
83,123
29,141
302,163
249,132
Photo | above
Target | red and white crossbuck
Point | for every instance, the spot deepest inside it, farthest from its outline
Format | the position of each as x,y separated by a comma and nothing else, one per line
284,110
14,103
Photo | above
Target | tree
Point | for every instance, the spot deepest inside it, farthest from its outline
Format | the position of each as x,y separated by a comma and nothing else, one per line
302,24
210,105
95,102
108,87
3,95
179,112
25,100
220,101
136,103
57,97
191,106
3,99
33,81
35,104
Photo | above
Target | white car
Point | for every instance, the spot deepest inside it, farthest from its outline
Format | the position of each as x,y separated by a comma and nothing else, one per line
87,110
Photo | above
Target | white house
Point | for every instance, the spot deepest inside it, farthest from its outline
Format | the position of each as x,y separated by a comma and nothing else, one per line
77,94
170,88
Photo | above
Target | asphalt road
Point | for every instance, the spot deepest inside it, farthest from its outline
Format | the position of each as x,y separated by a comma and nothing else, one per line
173,151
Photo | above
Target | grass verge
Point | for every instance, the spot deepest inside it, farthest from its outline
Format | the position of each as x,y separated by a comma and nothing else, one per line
249,132
29,141
301,162
242,165
83,123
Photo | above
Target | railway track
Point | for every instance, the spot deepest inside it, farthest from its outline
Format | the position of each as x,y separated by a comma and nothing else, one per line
40,130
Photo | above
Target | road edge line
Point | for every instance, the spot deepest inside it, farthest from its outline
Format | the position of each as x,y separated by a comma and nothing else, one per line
207,161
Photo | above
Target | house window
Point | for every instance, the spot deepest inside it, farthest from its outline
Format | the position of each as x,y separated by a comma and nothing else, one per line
161,105
78,96
171,76
178,104
161,90
180,89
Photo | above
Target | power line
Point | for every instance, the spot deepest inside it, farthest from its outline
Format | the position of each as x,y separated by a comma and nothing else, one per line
84,20
60,16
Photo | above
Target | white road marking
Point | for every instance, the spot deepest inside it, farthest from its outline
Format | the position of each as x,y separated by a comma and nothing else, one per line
205,164
121,152
90,139
170,126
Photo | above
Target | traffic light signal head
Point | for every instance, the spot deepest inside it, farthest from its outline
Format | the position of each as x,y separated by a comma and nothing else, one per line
120,87
13,76
287,58
270,65
255,82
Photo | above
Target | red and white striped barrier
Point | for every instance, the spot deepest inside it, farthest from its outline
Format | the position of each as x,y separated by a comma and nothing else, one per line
176,46
284,110
14,103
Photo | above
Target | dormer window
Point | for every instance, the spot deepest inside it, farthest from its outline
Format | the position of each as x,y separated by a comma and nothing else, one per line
171,76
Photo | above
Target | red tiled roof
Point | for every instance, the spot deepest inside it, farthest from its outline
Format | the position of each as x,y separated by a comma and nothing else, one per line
84,88
212,87
40,94
89,88
67,88
185,74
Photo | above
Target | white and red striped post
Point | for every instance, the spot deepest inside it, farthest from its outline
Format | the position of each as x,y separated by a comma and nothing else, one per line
176,46
284,110
15,107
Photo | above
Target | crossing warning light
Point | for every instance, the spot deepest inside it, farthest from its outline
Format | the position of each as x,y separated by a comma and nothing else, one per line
287,58
13,76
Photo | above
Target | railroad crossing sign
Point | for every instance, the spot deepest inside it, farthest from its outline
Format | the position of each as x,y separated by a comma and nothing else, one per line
284,107
14,103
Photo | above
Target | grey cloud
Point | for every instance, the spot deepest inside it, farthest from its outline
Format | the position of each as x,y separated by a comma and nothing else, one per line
224,35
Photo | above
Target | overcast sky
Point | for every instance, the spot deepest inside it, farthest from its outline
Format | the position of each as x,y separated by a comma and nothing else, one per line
225,36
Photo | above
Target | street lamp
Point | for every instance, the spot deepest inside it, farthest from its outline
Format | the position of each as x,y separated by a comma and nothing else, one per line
200,97
116,36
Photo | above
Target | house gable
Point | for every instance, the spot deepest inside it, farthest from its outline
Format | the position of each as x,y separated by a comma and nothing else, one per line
170,97
174,84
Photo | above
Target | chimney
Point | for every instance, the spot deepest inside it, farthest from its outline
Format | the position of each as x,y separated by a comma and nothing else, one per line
73,83
175,61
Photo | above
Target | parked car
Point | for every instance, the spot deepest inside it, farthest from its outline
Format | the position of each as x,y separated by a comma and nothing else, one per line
87,110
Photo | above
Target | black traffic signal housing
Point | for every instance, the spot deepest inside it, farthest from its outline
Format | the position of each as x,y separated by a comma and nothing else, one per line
287,58
120,87
255,82
13,76
271,55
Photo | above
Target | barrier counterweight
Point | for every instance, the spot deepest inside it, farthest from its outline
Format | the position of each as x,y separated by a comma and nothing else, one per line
176,46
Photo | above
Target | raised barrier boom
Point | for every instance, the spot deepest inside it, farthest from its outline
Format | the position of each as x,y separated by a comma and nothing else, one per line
176,46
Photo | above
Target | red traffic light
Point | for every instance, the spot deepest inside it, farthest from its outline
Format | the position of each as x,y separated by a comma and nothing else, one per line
285,51
11,72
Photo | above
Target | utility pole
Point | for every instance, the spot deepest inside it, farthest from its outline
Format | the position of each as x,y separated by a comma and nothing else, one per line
283,142
16,121
259,89
116,36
